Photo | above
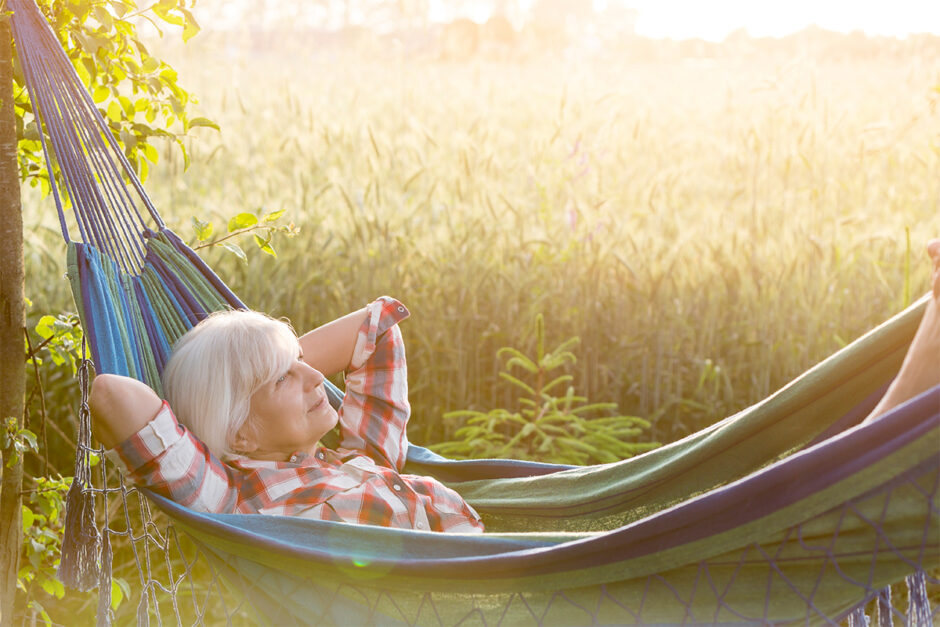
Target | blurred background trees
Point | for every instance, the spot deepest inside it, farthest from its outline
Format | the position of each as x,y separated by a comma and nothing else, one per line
462,30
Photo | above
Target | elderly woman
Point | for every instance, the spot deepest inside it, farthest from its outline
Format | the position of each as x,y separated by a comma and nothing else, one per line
251,393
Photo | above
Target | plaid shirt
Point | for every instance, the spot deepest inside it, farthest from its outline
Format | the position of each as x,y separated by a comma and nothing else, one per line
359,482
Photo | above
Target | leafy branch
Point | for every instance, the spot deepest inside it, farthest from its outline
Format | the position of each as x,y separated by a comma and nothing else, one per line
138,95
260,225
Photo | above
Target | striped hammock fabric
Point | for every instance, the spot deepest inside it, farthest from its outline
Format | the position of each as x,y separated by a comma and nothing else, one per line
785,513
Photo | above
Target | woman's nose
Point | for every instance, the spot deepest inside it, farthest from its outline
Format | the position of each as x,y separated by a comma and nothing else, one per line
313,377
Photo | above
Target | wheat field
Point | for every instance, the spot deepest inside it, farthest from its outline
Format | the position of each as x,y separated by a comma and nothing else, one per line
708,229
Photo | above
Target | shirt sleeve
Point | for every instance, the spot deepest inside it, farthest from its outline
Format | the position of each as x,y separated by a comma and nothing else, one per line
167,458
375,409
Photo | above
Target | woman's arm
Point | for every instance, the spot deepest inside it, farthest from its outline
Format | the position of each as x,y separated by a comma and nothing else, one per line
329,348
120,406
375,408
155,451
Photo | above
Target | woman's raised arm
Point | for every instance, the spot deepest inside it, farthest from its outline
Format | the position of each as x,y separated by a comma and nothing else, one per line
120,406
329,348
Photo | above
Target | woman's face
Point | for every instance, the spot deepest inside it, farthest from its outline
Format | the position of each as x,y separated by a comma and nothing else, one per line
288,415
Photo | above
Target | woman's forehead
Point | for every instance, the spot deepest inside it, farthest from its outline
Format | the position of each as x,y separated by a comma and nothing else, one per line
288,352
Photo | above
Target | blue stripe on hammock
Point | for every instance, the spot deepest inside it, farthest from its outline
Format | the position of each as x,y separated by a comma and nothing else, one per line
127,314
107,348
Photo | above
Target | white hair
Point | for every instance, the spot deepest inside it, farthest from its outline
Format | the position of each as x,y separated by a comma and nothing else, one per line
218,365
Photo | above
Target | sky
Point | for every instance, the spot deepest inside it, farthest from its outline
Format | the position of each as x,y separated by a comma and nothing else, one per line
714,19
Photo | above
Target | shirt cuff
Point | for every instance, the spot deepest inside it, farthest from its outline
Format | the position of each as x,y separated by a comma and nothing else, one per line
383,313
151,440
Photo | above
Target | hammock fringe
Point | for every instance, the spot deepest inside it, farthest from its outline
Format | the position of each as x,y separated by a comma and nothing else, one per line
143,608
884,608
104,581
78,565
918,609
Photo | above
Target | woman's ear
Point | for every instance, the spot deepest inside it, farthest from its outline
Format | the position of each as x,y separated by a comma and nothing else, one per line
244,442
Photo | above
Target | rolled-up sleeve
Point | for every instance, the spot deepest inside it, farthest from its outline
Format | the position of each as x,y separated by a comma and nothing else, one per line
375,411
165,457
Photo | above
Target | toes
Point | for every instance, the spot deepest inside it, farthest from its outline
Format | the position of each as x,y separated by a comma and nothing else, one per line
933,249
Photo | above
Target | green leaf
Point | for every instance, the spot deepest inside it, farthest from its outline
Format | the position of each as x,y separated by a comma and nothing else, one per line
114,110
125,589
200,121
30,438
127,105
203,229
150,65
265,245
150,153
36,548
235,250
168,75
28,518
42,612
182,147
163,10
101,93
117,595
243,220
49,585
191,27
104,18
120,9
46,327
274,215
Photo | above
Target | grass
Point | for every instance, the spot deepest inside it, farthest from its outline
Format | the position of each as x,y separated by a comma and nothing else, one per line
708,231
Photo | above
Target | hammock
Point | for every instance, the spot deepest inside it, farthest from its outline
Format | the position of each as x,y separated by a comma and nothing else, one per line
783,513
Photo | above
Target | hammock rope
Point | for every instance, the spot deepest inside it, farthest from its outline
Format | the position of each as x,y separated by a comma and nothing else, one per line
94,168
779,514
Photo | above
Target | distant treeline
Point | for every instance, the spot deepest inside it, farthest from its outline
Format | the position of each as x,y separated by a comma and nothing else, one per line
497,39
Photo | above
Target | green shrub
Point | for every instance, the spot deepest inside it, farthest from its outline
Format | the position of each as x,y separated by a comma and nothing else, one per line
564,429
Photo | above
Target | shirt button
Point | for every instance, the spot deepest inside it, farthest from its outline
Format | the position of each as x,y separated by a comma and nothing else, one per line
397,487
420,525
401,309
320,455
293,459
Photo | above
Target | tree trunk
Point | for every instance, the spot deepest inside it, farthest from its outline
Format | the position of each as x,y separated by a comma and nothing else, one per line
12,323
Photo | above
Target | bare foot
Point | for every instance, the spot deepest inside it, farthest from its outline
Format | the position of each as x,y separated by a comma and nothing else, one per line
921,368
